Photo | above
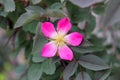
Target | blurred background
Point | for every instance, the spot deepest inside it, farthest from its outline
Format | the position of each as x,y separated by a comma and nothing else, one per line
16,43
12,66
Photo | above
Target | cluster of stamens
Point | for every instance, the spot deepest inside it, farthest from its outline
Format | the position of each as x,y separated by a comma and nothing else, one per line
59,39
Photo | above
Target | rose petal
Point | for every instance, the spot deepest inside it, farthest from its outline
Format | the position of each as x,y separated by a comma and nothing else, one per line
74,38
48,29
64,25
49,49
65,53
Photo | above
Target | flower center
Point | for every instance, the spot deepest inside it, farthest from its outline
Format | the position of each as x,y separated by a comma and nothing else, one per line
59,39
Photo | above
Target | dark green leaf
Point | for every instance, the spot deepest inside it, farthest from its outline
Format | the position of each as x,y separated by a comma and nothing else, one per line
56,6
70,70
92,62
31,27
35,9
55,76
99,9
48,66
54,13
39,42
85,3
102,75
9,5
50,2
35,72
114,77
83,76
22,38
25,19
20,9
94,44
28,49
84,50
90,24
3,22
4,14
37,58
79,14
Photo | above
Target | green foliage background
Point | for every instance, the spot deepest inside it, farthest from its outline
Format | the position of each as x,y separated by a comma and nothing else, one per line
97,58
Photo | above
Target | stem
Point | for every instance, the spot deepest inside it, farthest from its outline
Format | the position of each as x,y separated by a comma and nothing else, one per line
63,63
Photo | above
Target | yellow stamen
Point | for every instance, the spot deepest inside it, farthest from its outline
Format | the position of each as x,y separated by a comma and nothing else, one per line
59,39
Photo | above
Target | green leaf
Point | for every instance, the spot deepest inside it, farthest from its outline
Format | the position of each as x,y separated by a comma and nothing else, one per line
31,27
9,5
4,14
79,14
37,58
39,42
50,2
89,46
112,13
54,13
33,13
93,44
3,22
49,67
22,38
85,3
90,24
99,9
56,6
35,72
102,75
25,19
55,76
114,77
83,76
84,50
36,1
13,16
35,9
92,62
70,70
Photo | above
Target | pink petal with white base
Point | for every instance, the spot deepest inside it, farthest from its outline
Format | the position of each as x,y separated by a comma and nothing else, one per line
48,29
49,50
65,53
64,25
74,39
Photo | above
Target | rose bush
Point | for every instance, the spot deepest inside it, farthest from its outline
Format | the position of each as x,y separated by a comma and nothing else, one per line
59,40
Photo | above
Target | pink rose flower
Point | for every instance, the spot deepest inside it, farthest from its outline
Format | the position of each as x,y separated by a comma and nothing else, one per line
59,39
